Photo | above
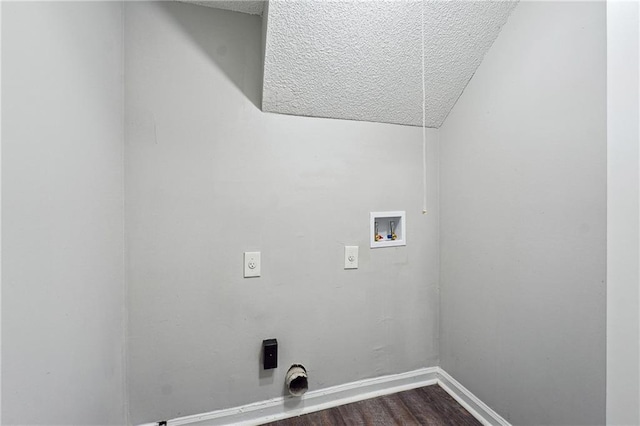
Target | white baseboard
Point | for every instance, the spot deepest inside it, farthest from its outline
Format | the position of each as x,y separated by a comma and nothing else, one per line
469,401
284,407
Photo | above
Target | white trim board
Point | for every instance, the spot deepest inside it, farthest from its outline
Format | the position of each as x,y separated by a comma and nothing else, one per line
284,407
469,401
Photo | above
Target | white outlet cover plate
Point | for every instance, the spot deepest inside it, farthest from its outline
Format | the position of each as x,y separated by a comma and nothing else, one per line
251,264
350,257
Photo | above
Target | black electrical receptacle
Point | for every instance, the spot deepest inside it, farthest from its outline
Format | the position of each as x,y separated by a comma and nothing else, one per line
269,354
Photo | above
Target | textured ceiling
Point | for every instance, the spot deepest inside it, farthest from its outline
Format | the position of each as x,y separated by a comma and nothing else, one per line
362,60
245,6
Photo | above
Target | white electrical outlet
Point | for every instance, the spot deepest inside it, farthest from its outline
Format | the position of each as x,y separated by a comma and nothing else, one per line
350,257
251,264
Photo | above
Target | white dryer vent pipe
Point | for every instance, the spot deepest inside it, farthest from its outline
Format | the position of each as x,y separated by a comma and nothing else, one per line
296,380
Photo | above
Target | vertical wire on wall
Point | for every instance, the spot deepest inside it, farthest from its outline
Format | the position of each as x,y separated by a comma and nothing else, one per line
125,283
424,130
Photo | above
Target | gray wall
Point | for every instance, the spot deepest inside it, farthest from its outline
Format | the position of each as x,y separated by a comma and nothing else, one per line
62,222
209,176
623,237
523,207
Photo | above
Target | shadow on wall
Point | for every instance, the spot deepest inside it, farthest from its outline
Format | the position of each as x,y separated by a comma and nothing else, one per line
232,41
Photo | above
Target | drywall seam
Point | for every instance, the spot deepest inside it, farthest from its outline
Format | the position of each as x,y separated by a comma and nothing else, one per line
424,116
438,265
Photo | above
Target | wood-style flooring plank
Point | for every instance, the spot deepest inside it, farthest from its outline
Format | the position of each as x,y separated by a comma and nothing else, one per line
427,406
319,418
448,407
398,411
423,409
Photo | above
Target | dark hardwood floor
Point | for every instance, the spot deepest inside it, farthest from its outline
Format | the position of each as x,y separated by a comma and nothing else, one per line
430,405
